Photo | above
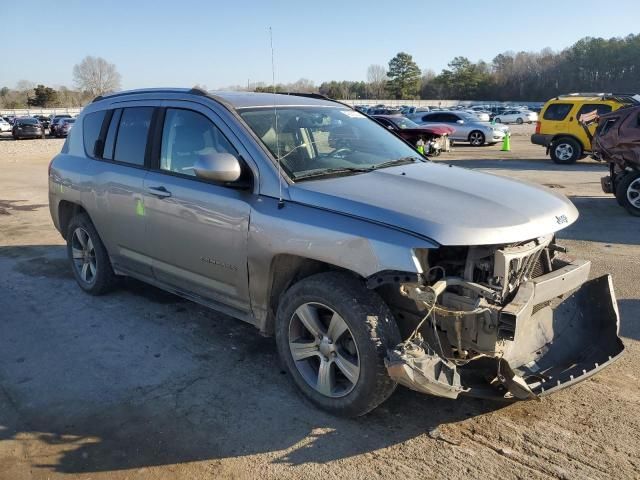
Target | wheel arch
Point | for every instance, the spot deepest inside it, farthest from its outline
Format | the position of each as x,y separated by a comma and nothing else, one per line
66,211
286,270
560,136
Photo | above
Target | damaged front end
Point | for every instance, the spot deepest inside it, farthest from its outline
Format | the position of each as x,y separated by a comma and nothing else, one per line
515,322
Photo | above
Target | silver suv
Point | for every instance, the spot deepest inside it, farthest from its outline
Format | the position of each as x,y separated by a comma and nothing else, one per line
369,264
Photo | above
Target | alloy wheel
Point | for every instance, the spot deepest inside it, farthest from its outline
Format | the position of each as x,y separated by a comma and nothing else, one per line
84,255
324,350
564,151
633,193
476,138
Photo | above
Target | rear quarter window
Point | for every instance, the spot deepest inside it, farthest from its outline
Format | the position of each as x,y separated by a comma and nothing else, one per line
557,111
601,108
91,126
131,141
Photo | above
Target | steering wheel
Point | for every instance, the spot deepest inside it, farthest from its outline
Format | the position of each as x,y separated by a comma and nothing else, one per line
341,151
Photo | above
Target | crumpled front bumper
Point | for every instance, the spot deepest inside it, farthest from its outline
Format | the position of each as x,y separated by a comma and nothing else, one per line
560,328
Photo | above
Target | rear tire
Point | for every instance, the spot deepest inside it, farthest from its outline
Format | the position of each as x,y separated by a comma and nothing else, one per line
519,121
498,120
565,151
351,379
88,257
628,193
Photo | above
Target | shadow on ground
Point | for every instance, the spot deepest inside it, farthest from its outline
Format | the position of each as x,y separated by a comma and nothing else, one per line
141,378
630,318
602,220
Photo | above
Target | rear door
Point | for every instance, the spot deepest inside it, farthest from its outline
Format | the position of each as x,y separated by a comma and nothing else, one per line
116,202
197,230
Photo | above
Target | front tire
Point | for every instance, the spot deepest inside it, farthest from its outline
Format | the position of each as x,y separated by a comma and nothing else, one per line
88,257
519,121
628,193
332,335
498,120
476,138
566,151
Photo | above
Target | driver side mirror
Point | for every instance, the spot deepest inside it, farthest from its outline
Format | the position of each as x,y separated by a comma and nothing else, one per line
460,121
218,167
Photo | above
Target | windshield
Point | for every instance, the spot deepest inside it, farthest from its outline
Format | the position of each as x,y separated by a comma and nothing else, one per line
403,123
467,117
28,121
317,139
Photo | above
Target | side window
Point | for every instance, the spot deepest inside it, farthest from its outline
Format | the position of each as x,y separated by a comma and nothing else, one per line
133,130
186,136
601,108
91,126
557,111
449,118
431,118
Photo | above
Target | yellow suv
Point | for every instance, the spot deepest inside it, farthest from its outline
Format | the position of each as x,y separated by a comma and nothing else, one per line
558,127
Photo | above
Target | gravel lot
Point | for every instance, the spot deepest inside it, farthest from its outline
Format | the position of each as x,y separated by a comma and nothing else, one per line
142,384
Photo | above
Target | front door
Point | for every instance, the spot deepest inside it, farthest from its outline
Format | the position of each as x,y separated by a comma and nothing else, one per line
197,229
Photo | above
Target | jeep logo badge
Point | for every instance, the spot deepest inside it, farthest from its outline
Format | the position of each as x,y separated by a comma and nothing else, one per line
561,219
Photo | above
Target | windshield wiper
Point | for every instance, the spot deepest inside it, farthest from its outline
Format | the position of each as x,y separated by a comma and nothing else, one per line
331,171
397,161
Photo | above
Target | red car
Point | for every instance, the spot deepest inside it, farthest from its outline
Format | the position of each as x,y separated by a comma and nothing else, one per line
435,136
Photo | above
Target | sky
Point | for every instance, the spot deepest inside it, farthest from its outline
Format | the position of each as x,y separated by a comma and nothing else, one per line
218,44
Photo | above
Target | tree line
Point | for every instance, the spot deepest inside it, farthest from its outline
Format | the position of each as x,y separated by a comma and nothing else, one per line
93,76
591,64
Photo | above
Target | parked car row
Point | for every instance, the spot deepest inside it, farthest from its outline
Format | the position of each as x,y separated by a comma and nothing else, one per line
37,125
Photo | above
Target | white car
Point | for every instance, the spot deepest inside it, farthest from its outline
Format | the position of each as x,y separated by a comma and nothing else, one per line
4,126
517,116
482,116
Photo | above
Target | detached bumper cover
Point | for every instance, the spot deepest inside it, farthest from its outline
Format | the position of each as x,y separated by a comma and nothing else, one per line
575,339
549,342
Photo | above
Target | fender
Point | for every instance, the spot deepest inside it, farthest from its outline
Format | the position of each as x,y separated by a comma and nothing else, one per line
342,241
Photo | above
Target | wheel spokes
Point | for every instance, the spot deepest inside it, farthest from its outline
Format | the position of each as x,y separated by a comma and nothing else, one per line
349,369
81,238
303,350
77,254
337,327
325,378
85,272
308,315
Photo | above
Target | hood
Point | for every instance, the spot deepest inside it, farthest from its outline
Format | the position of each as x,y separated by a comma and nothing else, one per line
450,205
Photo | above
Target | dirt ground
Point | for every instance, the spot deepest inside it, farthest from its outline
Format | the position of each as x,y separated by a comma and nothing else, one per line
142,384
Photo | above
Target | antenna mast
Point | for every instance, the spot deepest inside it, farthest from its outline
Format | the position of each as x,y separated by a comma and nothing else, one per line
275,116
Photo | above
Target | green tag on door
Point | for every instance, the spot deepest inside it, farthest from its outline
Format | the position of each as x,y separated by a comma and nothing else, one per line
139,208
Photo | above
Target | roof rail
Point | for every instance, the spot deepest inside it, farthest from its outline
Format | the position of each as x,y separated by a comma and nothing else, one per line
193,91
618,96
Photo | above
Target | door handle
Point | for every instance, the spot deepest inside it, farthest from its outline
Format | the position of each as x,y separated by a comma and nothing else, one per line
160,192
